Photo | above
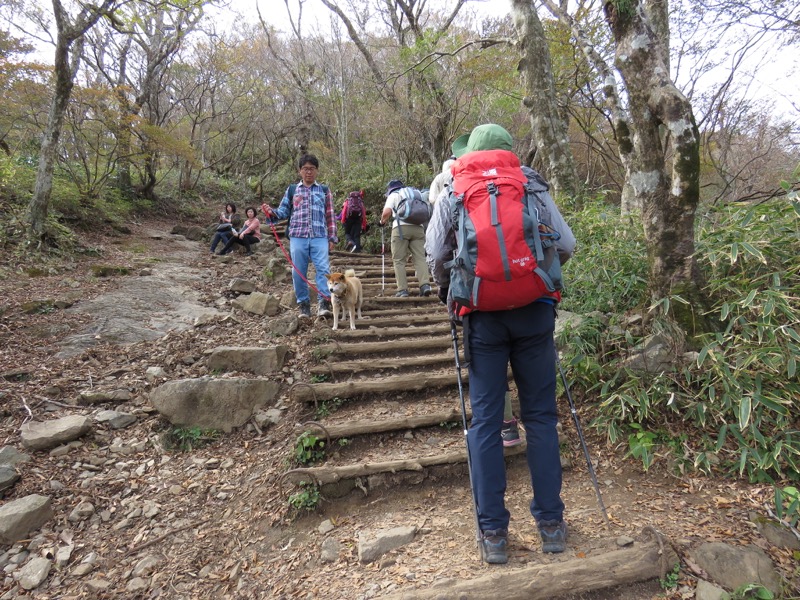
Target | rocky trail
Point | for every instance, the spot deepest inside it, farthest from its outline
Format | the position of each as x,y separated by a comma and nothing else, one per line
110,504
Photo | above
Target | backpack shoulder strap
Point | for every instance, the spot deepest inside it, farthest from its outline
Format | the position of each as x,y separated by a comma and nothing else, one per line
290,192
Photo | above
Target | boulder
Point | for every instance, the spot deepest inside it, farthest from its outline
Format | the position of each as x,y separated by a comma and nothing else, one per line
208,403
20,516
734,566
259,361
8,477
43,435
258,303
11,457
242,286
284,326
117,420
371,548
86,398
33,574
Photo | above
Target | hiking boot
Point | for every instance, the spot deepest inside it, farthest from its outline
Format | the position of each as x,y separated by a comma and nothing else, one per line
493,544
425,290
510,434
401,294
324,309
305,309
554,535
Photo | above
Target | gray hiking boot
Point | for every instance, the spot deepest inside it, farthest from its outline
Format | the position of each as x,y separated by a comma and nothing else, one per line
425,290
305,309
324,309
554,535
493,544
401,294
510,433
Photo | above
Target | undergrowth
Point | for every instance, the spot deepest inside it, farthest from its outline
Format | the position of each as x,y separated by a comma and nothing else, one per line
730,408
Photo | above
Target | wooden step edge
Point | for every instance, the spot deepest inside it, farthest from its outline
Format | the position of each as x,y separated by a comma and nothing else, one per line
354,367
361,348
368,426
324,475
649,558
316,392
382,332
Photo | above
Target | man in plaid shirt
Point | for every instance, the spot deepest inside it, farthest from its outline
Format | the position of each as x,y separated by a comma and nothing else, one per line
312,233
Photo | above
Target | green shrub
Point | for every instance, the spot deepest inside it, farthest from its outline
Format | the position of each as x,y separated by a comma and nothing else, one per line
741,394
609,270
309,448
187,439
308,498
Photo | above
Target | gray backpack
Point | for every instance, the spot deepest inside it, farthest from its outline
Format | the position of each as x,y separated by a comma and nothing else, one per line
413,208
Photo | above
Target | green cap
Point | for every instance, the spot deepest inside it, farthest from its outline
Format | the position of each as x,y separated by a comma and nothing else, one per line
483,137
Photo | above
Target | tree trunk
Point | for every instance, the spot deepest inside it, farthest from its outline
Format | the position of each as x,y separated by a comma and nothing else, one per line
668,192
617,114
65,66
549,129
38,206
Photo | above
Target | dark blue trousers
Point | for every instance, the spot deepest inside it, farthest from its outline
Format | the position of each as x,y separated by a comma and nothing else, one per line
523,337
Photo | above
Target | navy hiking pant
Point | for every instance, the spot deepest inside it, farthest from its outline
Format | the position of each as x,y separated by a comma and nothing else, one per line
524,338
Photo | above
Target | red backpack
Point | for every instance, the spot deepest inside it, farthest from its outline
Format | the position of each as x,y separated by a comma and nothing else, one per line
355,206
506,256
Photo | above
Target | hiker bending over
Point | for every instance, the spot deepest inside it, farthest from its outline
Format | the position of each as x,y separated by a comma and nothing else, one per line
311,229
354,219
522,335
407,239
249,235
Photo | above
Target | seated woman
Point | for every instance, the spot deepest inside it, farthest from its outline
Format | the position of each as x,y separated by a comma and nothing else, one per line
225,227
250,233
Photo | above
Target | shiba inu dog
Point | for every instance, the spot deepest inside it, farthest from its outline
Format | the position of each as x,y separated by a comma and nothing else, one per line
346,293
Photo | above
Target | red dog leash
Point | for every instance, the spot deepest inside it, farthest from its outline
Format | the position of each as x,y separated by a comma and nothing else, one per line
286,254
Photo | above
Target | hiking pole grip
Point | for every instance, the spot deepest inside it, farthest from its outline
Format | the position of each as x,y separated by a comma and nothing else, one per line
585,448
454,334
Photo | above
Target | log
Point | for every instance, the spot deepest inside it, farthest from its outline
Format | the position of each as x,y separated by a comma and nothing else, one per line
314,392
395,346
364,426
354,367
383,332
418,320
327,475
642,561
374,312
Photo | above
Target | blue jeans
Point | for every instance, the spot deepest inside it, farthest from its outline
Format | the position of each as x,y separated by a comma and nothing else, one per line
523,337
220,236
303,251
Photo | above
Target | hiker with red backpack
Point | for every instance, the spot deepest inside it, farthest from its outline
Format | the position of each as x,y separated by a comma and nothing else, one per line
495,244
354,219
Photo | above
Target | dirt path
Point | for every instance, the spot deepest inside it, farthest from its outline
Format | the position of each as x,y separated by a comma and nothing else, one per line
214,522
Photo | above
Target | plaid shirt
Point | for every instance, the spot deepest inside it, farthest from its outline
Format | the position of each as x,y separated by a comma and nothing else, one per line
312,212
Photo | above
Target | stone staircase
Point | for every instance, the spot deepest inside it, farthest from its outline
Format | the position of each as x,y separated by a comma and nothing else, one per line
385,396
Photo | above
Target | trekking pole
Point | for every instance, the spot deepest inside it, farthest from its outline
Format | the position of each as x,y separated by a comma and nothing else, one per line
383,261
466,440
579,429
